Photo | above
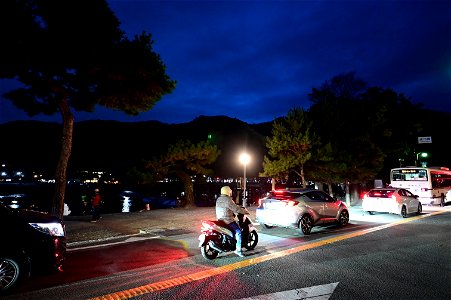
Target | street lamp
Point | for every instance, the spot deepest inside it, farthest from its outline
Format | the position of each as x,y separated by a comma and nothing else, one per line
244,159
423,154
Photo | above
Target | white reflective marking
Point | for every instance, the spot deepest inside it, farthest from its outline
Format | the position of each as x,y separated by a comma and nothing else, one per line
318,292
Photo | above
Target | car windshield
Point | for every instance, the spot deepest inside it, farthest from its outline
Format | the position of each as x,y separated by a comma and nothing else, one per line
381,193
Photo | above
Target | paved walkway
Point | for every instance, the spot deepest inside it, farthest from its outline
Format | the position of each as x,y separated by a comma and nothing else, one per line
80,231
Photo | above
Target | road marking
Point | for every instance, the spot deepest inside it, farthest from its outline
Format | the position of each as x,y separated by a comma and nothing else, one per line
166,284
127,239
318,292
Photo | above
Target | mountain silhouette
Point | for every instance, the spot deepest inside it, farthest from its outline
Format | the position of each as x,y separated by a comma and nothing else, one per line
118,146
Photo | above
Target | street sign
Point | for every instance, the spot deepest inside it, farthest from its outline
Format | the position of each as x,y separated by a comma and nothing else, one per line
424,140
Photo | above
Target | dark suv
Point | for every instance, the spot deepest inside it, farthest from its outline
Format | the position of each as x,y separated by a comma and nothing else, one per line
32,243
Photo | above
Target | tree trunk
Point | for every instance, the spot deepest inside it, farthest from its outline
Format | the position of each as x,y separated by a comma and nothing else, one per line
189,190
304,184
61,168
354,195
329,186
348,195
319,186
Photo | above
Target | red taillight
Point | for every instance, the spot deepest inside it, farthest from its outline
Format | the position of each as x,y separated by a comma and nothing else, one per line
377,194
365,196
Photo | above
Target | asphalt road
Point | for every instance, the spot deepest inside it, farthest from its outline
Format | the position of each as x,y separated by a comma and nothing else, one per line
375,257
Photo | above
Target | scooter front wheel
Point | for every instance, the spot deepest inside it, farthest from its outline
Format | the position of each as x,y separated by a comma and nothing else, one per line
208,252
252,240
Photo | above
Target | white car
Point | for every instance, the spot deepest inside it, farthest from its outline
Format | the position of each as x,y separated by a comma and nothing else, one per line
391,200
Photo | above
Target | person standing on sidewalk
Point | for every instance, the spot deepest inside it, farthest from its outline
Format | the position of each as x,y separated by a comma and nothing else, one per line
226,210
96,202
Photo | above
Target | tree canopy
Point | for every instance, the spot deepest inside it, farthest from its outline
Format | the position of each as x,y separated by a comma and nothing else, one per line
290,145
358,125
184,159
71,56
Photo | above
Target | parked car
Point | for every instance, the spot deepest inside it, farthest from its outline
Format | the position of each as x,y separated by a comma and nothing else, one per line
33,243
301,208
391,200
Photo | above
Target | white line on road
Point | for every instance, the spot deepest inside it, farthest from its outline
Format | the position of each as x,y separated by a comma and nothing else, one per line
318,292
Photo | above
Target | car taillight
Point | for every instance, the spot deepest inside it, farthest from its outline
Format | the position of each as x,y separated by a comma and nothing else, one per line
260,202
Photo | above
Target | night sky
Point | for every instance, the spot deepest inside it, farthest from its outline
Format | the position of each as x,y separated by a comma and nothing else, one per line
254,60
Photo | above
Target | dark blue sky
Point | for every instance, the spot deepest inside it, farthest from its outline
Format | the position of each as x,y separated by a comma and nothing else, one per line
254,60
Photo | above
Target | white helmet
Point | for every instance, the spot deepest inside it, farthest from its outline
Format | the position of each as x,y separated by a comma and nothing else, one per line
226,190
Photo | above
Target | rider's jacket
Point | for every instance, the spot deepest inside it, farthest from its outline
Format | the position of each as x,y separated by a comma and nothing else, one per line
226,209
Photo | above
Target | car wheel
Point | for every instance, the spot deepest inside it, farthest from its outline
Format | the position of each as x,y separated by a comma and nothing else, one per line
344,218
420,209
404,211
268,226
9,273
208,252
252,240
442,200
306,224
370,212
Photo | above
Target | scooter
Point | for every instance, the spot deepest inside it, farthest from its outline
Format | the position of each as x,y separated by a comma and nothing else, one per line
216,237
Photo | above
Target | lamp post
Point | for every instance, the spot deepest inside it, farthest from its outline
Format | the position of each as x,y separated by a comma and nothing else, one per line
244,159
423,154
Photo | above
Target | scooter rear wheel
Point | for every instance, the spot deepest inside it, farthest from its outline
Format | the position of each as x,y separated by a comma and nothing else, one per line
208,252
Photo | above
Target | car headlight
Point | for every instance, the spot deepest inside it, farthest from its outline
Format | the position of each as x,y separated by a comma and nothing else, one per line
53,229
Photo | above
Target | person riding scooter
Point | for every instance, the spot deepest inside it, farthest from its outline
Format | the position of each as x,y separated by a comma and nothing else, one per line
226,210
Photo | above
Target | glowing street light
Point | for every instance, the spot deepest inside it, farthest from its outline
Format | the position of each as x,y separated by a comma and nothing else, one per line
244,159
423,154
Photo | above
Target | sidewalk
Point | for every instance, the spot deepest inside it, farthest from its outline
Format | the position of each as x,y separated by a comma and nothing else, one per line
81,232
172,221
